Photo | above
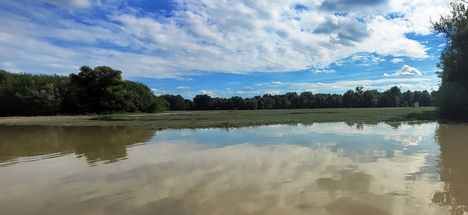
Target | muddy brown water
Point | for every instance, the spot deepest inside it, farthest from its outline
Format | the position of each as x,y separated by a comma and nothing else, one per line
324,168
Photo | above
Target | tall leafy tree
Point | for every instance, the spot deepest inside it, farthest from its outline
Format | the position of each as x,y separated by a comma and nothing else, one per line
453,93
98,89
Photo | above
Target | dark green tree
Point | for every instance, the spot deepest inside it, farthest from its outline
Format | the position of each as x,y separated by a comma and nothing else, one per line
453,92
176,102
203,102
349,99
98,89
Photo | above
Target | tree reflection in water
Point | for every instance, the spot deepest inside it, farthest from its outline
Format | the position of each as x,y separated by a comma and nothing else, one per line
107,144
452,139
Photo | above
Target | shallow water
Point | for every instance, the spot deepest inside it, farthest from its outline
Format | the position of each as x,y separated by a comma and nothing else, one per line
324,168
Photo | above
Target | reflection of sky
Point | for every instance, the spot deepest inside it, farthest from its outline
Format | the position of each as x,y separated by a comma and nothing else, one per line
326,168
369,140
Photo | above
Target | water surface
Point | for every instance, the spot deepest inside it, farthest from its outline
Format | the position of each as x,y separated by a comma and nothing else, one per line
324,168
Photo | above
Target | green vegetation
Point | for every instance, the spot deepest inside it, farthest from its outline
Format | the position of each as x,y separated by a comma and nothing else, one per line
98,90
231,118
351,99
453,92
101,90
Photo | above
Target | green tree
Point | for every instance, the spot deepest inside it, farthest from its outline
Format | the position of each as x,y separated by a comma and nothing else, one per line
391,97
349,99
138,97
369,98
97,90
26,94
454,62
176,102
203,102
237,102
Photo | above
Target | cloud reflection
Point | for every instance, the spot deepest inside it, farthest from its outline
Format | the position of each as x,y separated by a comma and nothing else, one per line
185,175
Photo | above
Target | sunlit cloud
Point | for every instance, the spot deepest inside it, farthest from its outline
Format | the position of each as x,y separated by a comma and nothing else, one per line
406,71
209,35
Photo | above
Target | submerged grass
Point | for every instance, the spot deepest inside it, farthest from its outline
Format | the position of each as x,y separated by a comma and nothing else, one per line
232,118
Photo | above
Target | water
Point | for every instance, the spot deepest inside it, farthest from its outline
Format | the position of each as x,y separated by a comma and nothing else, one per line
324,168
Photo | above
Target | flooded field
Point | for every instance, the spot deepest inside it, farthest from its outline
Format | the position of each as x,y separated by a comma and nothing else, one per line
322,168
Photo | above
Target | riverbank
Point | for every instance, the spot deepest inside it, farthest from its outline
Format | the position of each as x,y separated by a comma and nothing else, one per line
235,118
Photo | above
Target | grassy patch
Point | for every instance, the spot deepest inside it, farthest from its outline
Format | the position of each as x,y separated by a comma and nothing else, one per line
425,115
204,119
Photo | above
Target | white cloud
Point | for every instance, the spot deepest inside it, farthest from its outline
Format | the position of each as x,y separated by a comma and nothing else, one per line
397,60
324,71
70,3
367,58
158,92
272,92
183,88
277,83
420,83
419,13
406,71
214,36
207,92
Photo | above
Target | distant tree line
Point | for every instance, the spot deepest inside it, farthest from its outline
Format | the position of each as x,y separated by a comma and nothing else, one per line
101,90
453,96
357,98
98,90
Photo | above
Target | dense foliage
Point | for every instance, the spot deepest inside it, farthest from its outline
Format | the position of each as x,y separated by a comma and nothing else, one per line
453,92
351,99
98,90
102,90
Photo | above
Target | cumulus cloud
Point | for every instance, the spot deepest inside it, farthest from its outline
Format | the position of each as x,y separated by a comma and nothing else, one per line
343,30
211,36
406,71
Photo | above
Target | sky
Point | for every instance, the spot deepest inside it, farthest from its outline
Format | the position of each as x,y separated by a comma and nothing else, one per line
230,48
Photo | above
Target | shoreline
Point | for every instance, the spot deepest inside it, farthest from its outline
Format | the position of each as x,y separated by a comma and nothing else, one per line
229,118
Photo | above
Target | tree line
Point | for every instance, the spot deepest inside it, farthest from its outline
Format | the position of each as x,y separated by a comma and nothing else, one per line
98,90
102,90
357,98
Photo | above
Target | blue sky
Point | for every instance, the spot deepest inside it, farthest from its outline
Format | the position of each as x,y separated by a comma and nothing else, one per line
232,47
